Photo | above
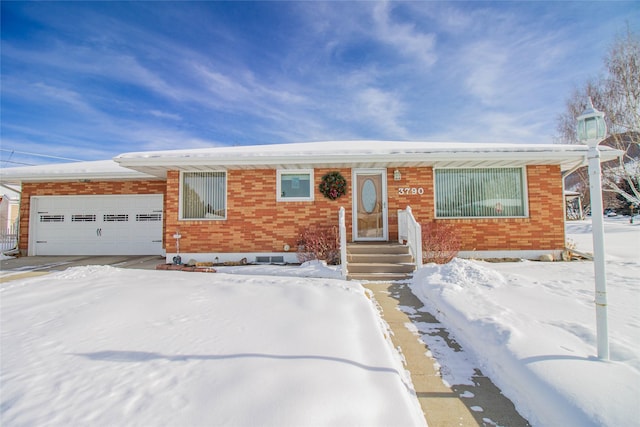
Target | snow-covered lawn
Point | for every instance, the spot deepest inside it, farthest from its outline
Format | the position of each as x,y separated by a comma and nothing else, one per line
114,347
530,326
273,346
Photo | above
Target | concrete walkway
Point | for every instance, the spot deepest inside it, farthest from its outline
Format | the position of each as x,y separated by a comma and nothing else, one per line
481,404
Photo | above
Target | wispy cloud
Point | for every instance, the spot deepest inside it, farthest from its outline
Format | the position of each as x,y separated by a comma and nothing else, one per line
103,78
414,44
165,115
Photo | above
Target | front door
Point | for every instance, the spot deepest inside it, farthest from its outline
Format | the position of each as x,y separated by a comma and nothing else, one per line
370,204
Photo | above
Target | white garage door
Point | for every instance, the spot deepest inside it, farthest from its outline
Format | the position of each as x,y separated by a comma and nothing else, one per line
96,225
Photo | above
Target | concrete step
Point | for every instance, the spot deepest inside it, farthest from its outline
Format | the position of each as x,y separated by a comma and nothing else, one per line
380,268
377,248
379,261
383,258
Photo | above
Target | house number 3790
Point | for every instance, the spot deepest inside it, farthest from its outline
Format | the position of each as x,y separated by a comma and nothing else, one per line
410,191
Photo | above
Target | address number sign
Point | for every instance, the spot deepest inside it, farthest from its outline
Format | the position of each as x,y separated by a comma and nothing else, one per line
410,191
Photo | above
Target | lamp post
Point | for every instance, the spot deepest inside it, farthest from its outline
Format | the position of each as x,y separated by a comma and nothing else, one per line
591,130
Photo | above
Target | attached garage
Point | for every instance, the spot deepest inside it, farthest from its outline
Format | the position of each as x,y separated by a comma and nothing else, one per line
88,208
96,225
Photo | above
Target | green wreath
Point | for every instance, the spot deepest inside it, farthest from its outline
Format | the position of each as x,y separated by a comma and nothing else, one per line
333,185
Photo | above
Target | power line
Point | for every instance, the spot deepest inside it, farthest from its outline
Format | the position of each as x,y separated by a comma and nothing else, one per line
38,155
17,163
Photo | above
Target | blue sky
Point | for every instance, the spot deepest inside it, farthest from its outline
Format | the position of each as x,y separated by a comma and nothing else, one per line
90,80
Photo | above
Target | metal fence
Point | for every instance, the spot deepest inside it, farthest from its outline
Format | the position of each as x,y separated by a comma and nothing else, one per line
9,237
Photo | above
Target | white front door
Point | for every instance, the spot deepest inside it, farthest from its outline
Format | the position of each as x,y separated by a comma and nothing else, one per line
370,205
96,225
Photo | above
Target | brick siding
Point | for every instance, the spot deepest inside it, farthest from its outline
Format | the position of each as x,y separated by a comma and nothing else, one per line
256,222
543,229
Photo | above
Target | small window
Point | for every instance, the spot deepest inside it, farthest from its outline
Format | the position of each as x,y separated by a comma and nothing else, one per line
480,193
149,217
270,259
295,185
203,195
83,218
115,218
51,218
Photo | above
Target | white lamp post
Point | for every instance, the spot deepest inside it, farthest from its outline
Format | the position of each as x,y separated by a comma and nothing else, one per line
592,130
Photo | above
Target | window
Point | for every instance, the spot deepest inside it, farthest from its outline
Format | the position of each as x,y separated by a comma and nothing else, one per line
115,218
51,218
203,195
493,192
83,218
295,185
149,217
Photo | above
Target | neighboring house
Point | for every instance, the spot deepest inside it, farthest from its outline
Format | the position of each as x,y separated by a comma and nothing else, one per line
9,206
8,211
230,203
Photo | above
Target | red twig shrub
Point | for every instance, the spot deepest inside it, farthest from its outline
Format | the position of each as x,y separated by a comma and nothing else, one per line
440,242
319,242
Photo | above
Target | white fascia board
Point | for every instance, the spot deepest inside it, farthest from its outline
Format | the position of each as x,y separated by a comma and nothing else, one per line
96,170
423,158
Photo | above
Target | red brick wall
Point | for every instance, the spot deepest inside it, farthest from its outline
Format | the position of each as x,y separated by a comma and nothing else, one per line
78,189
542,229
255,221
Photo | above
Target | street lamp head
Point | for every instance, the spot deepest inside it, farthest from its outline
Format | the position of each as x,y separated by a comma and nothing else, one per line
591,128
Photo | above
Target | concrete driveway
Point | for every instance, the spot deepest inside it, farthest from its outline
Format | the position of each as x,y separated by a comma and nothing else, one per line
59,263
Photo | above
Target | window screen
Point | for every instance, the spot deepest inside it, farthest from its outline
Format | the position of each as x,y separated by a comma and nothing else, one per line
204,195
492,192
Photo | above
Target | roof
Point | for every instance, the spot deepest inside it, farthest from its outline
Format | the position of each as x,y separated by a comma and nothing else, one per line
362,154
95,170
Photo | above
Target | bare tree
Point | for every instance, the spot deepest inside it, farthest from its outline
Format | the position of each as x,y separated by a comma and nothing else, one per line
617,94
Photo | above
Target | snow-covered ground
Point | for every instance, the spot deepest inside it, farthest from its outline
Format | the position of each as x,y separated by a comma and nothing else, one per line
530,326
112,347
265,345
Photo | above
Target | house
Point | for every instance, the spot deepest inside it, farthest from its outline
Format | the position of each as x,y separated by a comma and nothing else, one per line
9,205
252,202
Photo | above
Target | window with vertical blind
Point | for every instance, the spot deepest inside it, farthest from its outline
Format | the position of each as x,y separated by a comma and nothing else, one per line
203,195
295,185
486,192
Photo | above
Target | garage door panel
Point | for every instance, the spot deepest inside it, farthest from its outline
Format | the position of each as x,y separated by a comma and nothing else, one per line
97,225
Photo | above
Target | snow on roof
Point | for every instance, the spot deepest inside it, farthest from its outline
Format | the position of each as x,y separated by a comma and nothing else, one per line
101,169
360,154
351,148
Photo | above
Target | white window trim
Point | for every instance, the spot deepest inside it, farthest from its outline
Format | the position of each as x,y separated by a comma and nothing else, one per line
525,195
226,205
280,172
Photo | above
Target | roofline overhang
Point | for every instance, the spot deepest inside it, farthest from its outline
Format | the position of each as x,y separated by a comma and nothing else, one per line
567,159
378,154
36,174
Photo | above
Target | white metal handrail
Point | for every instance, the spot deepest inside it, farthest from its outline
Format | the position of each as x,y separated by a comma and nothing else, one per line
409,230
342,227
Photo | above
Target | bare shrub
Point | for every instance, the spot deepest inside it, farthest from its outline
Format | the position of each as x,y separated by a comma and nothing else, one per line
319,242
440,242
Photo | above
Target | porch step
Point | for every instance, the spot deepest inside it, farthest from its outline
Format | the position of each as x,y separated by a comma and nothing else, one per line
379,261
379,258
380,267
377,248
